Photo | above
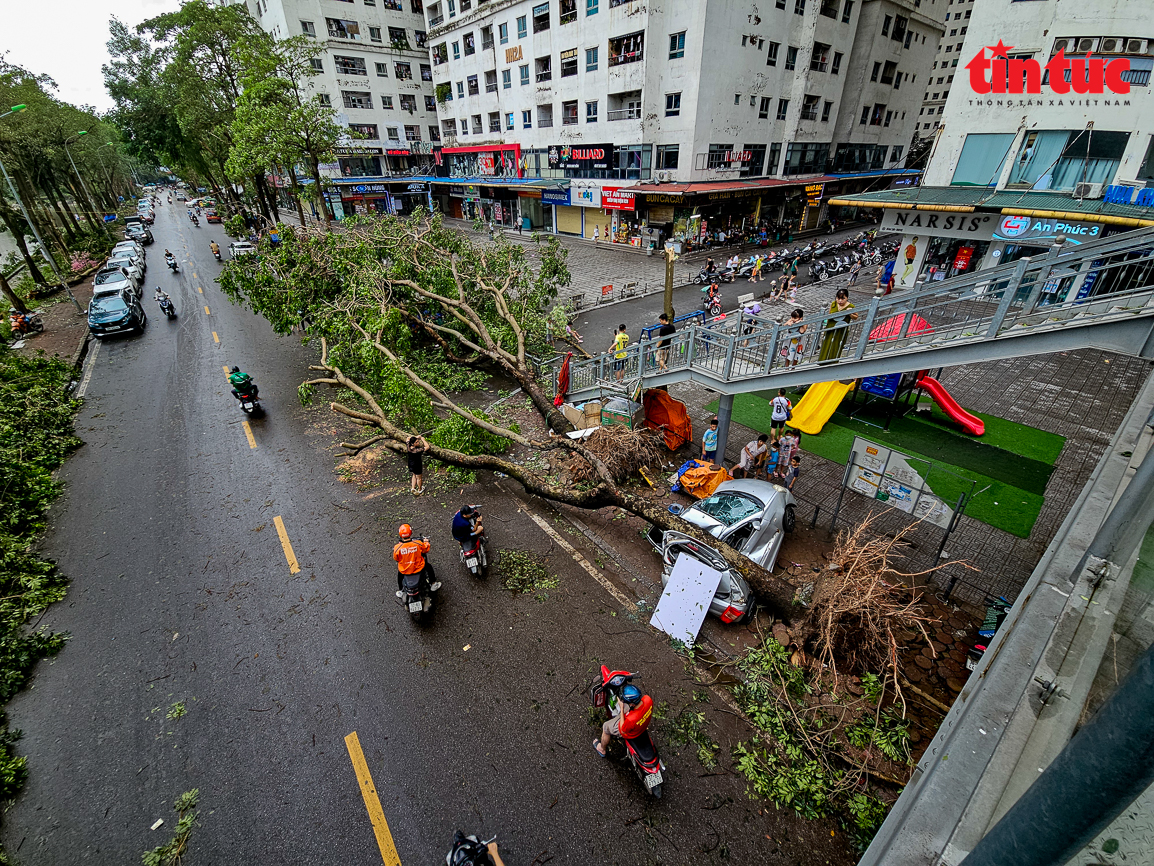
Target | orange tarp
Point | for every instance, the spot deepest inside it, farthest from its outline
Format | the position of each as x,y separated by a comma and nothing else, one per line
664,413
701,481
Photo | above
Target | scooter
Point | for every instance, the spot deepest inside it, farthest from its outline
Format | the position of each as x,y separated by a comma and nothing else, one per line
640,750
171,262
23,324
416,592
711,303
249,402
217,254
167,308
473,555
469,851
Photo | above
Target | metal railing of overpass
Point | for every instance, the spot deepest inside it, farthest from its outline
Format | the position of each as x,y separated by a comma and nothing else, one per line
1097,294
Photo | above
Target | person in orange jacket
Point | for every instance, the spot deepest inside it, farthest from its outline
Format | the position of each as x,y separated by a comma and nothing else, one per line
409,554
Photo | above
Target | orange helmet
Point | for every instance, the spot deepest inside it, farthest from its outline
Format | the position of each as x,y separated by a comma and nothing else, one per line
406,532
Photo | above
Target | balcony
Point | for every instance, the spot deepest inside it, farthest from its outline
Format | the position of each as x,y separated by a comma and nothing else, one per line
433,22
545,123
624,114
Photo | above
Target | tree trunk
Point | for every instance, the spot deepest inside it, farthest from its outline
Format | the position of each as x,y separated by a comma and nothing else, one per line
297,195
16,225
261,201
321,203
13,299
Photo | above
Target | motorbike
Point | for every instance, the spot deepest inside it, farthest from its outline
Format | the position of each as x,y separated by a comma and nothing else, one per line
167,308
469,851
996,610
641,751
711,303
724,275
416,592
195,221
473,555
819,270
171,262
249,401
746,267
216,253
23,324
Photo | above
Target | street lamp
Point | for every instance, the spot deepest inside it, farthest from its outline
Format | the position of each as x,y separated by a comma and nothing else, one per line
32,225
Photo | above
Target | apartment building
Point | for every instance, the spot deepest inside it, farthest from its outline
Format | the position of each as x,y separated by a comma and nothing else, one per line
657,120
1047,134
377,75
944,67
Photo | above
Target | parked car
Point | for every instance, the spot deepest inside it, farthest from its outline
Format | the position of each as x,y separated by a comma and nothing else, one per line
132,250
115,313
213,217
240,248
139,233
748,515
125,261
112,280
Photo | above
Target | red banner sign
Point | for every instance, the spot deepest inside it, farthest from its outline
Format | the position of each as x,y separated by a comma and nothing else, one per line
613,199
962,259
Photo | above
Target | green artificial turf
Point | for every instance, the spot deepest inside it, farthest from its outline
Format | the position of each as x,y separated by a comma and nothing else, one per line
1010,464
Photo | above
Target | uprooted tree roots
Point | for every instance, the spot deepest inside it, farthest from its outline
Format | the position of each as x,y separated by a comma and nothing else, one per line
623,451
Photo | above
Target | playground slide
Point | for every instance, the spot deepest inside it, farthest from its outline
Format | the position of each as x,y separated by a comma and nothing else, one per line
818,404
972,424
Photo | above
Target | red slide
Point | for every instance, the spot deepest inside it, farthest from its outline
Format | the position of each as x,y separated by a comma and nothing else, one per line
972,424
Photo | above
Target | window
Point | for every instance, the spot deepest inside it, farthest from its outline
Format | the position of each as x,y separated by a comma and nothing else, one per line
889,117
627,49
540,17
509,124
477,127
426,72
524,74
673,104
1057,159
417,6
503,32
809,107
780,4
805,158
719,155
472,85
886,25
318,64
464,126
491,81
591,111
364,130
309,29
522,27
897,80
408,102
829,8
667,155
865,115
387,103
825,110
357,99
460,90
544,116
494,121
569,113
846,11
382,70
899,31
677,45
456,50
737,99
527,119
544,68
982,158
896,154
470,45
375,34
398,38
568,62
412,133
434,134
324,99
486,37
350,65
877,114
506,78
763,108
791,58
860,157
774,158
590,7
819,57
590,59
888,72
798,7
782,108
771,59
430,103
567,12
341,29
754,167
403,71
421,38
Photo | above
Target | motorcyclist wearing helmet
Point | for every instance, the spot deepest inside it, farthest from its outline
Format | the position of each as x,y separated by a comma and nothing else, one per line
212,245
409,554
242,383
634,711
467,525
160,295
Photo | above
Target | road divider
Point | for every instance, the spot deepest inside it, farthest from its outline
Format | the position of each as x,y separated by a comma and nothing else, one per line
293,565
372,801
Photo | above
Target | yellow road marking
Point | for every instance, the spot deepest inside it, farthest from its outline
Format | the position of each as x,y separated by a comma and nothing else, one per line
215,338
199,289
252,444
206,312
225,368
294,567
372,802
194,275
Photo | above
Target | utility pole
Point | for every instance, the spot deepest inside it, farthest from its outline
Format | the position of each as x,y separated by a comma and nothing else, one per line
670,258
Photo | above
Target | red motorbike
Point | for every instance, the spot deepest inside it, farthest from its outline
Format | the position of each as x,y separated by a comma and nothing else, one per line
640,750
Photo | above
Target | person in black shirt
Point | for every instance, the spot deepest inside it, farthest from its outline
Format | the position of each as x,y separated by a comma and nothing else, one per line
665,332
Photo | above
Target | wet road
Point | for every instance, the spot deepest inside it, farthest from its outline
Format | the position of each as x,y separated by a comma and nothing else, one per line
183,596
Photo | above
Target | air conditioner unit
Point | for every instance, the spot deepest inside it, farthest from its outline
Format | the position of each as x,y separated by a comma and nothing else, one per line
1063,45
1088,190
1112,45
663,176
1087,46
1137,46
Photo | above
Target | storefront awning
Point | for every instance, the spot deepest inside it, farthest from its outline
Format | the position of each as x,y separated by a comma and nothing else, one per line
967,199
511,182
686,190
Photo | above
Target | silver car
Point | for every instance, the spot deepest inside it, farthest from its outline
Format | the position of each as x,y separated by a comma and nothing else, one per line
750,516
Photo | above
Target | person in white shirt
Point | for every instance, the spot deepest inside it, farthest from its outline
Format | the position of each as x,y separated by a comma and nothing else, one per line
752,457
782,412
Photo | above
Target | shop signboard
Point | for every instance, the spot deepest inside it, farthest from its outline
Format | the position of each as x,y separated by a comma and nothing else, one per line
612,198
485,164
586,196
1020,229
555,196
359,151
660,214
595,156
472,191
398,151
457,191
814,193
369,187
978,226
497,212
962,258
529,193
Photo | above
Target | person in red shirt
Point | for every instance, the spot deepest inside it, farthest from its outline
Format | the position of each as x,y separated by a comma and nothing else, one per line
634,712
409,554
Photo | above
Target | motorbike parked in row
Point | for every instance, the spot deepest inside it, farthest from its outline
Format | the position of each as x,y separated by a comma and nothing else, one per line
23,324
724,275
639,749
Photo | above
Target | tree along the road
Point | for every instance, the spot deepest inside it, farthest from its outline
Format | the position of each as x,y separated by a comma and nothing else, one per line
280,119
408,311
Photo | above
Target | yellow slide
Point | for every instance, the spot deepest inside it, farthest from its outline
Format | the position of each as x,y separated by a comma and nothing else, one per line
818,404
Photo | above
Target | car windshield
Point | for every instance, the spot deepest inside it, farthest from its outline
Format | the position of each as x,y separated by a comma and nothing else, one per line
730,507
111,304
105,277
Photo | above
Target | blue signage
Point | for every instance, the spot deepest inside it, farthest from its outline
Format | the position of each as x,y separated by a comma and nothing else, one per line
554,196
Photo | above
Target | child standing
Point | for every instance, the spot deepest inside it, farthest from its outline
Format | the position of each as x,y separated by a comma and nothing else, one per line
709,443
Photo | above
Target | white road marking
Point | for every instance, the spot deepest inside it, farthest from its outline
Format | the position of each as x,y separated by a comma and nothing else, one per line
607,584
88,373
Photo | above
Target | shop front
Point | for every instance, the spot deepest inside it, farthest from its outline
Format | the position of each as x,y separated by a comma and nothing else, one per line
365,198
938,245
625,227
535,216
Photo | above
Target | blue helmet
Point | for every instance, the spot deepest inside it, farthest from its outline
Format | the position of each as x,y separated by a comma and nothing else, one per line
631,694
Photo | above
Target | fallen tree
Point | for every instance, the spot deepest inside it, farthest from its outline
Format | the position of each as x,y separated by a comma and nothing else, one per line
409,311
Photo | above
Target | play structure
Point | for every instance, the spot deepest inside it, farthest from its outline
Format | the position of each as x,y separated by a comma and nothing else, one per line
822,399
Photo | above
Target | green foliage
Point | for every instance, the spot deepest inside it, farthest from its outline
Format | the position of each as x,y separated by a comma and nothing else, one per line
689,728
234,226
888,732
443,91
874,688
171,852
525,572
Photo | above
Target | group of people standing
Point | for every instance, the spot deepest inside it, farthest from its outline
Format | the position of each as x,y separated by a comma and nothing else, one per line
777,459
